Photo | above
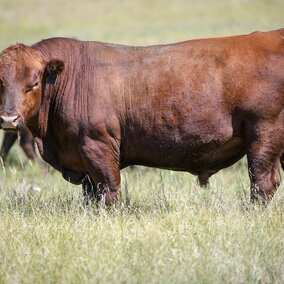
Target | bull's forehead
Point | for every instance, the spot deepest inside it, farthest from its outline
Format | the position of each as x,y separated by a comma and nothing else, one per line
19,63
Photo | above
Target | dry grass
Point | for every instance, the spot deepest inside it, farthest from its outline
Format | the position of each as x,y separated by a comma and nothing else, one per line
166,230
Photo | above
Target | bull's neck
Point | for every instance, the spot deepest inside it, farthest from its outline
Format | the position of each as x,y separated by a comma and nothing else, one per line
55,96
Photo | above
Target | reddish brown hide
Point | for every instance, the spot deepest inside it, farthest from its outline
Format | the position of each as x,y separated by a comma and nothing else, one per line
196,106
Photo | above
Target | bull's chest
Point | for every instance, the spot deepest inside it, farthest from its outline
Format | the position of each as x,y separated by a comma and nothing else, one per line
68,155
61,152
71,162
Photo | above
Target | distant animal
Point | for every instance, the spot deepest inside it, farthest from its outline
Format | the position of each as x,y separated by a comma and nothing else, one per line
26,143
197,106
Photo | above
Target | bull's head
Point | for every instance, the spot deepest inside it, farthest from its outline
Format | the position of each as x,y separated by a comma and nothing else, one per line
23,73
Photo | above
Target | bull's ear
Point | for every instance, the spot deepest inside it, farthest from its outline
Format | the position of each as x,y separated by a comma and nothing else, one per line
53,69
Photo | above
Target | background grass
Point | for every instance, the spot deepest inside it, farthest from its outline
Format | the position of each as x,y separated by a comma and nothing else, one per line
168,230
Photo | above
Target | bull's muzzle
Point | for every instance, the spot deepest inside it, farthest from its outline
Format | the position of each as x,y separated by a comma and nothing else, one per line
9,122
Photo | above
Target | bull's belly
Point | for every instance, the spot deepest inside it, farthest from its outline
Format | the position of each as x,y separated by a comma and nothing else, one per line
205,157
225,155
205,140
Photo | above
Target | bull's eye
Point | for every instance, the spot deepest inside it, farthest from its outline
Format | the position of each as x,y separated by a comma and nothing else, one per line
32,87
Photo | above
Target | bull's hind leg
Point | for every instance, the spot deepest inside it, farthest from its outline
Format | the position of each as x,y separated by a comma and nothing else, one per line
263,163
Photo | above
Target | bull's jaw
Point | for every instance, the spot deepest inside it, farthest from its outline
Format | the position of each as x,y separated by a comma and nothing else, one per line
9,122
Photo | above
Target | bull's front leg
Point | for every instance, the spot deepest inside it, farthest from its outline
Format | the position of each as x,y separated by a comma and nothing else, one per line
264,166
102,164
89,191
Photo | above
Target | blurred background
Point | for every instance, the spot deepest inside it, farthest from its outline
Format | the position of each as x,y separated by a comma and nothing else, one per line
137,22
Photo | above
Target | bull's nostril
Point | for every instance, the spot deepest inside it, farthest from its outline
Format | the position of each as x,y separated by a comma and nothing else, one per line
1,121
16,118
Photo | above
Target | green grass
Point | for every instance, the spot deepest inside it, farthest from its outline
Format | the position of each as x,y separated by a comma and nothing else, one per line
168,229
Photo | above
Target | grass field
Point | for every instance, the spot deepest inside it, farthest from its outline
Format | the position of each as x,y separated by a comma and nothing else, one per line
168,229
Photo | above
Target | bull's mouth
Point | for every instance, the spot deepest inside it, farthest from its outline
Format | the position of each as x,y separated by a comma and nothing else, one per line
10,123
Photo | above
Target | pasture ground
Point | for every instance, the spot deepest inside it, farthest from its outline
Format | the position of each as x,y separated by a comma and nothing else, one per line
168,229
